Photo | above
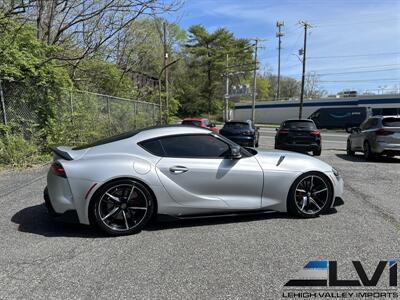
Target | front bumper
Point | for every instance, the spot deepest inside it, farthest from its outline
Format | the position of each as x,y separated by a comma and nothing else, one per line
69,216
338,188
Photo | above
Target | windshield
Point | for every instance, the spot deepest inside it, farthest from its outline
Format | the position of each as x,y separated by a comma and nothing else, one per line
190,122
298,125
237,125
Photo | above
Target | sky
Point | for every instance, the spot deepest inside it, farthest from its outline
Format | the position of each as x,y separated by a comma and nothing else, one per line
352,45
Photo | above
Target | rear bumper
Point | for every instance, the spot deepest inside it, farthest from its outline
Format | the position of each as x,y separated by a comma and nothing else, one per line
242,140
386,148
69,216
298,147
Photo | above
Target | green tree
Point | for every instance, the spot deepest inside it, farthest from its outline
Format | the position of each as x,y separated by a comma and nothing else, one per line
29,77
206,60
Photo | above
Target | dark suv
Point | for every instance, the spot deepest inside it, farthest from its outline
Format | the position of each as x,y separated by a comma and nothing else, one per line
298,135
241,132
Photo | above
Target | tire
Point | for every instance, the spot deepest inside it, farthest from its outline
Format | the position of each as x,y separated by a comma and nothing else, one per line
349,151
122,207
317,152
368,155
308,200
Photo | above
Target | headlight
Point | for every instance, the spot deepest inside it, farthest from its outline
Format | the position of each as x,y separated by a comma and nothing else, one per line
335,172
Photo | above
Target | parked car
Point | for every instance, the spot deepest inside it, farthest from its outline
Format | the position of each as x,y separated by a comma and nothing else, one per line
243,133
340,117
379,135
182,171
201,122
298,135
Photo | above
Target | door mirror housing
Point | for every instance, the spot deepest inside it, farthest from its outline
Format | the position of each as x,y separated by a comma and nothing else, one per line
211,125
235,152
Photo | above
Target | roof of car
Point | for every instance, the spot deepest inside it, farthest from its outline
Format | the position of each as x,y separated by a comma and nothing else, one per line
148,133
194,119
298,120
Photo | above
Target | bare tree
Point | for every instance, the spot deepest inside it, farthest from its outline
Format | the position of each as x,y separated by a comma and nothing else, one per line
312,88
84,26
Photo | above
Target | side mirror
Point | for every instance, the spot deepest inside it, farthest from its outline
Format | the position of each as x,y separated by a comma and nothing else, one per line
235,152
212,125
276,129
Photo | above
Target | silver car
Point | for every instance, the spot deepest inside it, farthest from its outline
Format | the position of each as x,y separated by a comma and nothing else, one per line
378,135
120,183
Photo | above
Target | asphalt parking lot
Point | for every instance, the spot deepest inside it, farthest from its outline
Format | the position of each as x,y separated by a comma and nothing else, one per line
233,257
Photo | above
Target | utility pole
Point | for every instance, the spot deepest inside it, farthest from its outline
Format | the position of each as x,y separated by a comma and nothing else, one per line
253,106
279,34
303,74
226,103
166,71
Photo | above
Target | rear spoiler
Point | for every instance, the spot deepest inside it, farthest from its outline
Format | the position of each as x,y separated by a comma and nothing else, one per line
61,153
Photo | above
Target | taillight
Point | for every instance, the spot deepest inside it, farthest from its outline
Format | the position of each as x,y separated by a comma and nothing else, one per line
58,169
283,132
315,133
383,132
247,133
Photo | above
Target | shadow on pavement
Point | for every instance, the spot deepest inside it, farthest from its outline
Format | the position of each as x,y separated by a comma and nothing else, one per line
35,219
377,159
197,222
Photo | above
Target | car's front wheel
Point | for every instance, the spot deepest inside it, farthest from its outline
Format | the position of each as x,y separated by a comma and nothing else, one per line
122,207
310,195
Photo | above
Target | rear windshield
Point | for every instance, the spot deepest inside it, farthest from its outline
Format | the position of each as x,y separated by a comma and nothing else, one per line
298,125
237,125
391,122
193,123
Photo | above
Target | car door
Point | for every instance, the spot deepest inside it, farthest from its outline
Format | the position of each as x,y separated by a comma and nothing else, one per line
196,172
357,137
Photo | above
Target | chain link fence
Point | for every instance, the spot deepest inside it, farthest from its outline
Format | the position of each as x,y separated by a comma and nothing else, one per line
79,116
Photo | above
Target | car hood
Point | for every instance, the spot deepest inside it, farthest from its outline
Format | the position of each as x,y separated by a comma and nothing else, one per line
290,161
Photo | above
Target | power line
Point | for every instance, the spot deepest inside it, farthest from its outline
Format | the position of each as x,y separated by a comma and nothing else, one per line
356,67
355,72
355,23
363,80
355,55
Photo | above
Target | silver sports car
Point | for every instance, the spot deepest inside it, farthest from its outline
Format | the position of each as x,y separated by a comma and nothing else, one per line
120,183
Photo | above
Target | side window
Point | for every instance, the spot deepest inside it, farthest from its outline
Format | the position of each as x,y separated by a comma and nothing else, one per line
154,147
365,125
201,146
374,123
370,123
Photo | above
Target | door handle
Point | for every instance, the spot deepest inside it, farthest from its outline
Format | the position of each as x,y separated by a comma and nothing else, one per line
178,169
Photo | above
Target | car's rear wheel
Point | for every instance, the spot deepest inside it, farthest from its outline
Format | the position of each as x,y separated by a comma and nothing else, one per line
348,149
310,195
317,152
122,207
368,155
